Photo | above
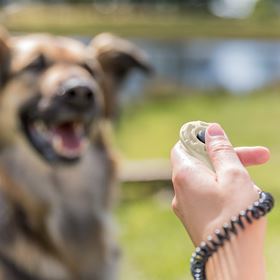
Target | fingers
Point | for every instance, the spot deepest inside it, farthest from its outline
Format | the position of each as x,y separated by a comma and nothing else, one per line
247,155
182,160
221,153
186,169
225,159
252,155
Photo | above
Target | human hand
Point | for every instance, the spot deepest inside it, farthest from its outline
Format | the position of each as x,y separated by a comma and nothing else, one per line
204,200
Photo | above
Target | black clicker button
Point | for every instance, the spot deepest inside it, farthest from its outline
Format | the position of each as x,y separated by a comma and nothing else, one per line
201,136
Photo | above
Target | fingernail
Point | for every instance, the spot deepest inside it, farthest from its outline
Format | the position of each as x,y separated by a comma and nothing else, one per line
215,130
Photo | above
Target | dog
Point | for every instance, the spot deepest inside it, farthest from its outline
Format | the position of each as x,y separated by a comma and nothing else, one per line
57,168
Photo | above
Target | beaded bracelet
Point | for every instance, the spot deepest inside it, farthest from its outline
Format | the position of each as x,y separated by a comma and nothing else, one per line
207,248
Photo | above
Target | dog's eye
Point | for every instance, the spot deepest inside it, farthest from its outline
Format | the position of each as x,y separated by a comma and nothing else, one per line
89,69
37,65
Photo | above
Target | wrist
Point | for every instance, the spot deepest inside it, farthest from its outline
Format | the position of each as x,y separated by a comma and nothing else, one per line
241,258
231,209
241,247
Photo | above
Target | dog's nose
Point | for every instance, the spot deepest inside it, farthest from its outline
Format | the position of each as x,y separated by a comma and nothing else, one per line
79,95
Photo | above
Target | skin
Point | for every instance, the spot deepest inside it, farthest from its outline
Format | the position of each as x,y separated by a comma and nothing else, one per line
204,200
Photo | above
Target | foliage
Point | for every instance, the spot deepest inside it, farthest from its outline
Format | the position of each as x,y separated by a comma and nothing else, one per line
86,20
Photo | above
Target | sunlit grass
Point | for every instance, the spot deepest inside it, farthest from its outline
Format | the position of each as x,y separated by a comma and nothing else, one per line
145,22
155,244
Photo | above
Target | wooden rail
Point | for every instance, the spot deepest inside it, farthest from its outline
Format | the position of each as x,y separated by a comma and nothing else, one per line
145,170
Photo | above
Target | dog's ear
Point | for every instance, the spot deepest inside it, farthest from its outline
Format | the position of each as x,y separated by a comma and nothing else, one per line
5,56
117,58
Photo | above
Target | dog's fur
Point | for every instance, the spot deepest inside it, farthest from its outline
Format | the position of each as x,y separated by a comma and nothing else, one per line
56,194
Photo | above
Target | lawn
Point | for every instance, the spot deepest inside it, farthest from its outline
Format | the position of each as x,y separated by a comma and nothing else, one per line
155,244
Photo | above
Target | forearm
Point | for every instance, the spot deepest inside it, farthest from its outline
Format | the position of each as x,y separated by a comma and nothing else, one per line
242,257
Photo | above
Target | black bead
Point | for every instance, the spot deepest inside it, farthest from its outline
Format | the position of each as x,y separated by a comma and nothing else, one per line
207,249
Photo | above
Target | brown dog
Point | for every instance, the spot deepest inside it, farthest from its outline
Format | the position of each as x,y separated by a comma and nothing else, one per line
56,169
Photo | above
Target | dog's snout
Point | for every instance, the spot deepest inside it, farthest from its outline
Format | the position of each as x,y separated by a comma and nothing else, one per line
79,95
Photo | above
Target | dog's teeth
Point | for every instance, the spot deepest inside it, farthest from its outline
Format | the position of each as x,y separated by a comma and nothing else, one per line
84,144
39,125
42,129
57,143
79,129
71,153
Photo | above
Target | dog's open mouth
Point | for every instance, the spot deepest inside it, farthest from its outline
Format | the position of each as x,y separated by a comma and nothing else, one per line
66,140
59,134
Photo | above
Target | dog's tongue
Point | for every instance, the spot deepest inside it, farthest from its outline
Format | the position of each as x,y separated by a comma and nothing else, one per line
66,132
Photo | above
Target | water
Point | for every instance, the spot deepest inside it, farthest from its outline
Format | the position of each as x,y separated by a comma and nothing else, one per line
236,66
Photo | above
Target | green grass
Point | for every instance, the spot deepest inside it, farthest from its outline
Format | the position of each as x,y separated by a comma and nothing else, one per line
155,244
137,22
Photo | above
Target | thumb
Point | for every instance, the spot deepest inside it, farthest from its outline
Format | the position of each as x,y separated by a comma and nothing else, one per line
220,150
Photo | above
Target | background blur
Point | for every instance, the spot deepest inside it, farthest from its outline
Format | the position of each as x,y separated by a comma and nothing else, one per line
215,60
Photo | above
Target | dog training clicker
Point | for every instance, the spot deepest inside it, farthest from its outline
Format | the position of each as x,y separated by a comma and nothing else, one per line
192,139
